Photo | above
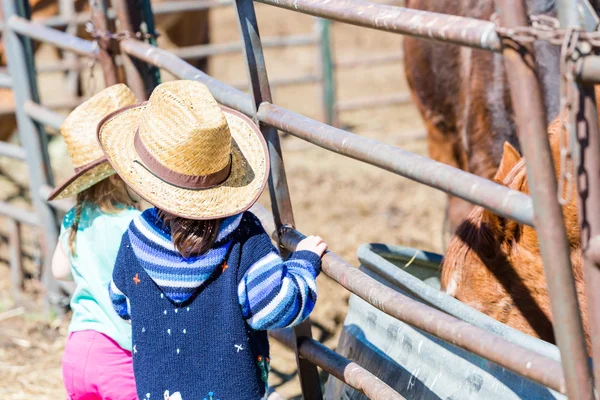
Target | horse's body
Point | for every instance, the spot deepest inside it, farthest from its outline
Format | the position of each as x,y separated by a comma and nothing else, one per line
182,29
494,264
462,94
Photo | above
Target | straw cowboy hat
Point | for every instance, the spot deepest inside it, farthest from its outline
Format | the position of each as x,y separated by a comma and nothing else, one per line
185,154
79,132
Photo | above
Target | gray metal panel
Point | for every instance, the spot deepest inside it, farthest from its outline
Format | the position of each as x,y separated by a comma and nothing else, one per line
416,364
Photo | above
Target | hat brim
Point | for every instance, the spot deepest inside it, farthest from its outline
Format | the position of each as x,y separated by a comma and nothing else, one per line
83,179
249,168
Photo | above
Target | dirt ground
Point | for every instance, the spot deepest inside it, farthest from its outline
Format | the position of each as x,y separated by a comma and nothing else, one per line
344,201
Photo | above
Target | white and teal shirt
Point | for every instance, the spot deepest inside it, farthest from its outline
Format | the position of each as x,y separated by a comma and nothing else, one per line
97,244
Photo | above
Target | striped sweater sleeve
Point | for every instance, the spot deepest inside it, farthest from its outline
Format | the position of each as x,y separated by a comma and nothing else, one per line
117,288
273,293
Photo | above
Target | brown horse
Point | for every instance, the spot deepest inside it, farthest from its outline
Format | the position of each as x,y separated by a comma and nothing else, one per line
462,94
494,264
182,29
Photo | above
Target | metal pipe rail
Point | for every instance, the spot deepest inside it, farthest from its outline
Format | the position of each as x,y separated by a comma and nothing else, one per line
5,81
462,334
500,199
428,25
43,115
19,214
12,151
497,198
51,36
158,9
339,366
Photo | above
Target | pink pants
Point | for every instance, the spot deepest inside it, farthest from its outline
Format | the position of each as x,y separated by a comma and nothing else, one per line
96,367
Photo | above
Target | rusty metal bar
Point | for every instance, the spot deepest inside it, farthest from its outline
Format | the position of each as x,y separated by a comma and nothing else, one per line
51,36
205,50
223,93
375,101
586,158
530,117
19,214
43,115
593,250
462,334
12,151
428,25
503,201
509,203
588,69
340,367
278,188
586,155
16,268
106,57
141,77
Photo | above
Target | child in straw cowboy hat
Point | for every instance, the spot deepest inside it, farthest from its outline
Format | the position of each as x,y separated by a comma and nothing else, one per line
198,275
97,361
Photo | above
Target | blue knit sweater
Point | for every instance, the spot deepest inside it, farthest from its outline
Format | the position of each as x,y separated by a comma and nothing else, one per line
199,323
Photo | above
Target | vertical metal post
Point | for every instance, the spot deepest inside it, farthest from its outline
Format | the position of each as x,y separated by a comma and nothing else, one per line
16,268
134,17
531,126
33,137
586,159
99,10
278,188
67,10
327,72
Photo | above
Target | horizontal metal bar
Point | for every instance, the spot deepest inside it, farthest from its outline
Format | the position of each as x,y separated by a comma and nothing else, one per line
19,214
500,199
339,366
369,61
63,205
205,50
158,9
588,69
223,93
12,151
43,115
6,81
64,104
282,82
459,333
480,191
375,101
59,39
427,25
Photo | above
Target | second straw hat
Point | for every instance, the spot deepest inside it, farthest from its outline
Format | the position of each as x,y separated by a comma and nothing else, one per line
185,154
79,132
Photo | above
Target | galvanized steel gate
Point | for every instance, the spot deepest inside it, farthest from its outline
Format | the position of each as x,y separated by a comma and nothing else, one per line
573,377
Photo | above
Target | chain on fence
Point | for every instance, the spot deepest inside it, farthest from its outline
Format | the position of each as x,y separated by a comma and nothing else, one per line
574,44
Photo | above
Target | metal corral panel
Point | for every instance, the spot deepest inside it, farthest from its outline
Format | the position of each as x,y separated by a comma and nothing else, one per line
416,364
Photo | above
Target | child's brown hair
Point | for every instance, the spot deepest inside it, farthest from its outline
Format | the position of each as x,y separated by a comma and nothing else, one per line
110,195
191,237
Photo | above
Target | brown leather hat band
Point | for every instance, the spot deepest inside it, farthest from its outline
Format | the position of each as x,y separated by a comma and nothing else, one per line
194,182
